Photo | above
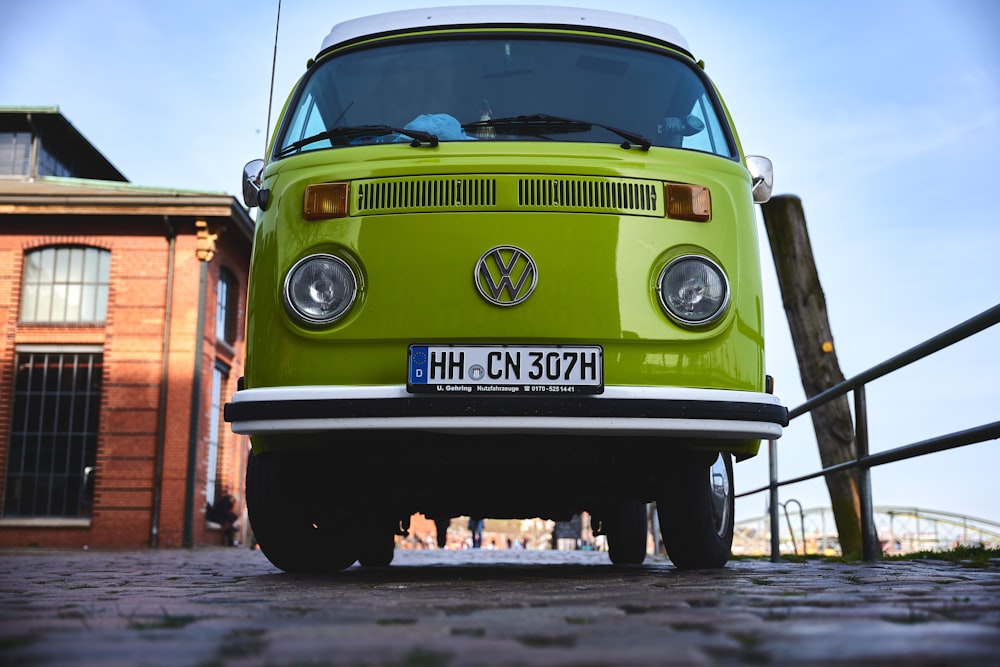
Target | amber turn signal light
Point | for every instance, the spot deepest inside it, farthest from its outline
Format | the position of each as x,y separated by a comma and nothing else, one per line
325,200
688,202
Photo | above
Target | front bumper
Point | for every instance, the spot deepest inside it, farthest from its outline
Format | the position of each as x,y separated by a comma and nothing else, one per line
620,411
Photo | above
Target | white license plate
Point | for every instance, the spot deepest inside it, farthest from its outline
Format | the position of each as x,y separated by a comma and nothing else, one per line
506,369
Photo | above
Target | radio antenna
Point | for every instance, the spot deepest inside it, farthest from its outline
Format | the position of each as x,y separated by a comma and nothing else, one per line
270,94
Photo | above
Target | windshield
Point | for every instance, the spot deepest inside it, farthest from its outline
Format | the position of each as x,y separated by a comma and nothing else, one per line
504,89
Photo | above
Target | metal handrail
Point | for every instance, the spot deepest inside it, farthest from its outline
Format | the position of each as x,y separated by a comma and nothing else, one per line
970,327
864,461
939,444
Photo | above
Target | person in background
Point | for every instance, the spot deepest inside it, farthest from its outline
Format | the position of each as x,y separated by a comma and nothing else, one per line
476,526
223,512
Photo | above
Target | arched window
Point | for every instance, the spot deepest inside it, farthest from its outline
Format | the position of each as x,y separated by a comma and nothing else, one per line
64,284
226,300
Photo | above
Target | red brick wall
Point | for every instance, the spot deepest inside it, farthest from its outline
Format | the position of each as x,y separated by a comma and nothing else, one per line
132,340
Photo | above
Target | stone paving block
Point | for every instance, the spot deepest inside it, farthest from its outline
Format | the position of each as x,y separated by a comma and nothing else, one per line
438,608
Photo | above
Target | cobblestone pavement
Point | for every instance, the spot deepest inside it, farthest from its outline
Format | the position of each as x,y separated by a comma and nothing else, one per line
438,608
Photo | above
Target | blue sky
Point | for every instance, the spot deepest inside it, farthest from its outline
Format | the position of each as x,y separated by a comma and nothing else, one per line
883,117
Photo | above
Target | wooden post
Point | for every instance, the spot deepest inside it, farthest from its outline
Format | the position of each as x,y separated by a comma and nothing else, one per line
805,309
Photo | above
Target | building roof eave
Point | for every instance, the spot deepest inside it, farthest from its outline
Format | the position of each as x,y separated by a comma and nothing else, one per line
76,198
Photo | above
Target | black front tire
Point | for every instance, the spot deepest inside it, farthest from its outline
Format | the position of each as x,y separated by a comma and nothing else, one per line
696,510
288,520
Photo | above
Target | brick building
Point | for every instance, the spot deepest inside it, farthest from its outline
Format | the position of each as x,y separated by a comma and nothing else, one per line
121,309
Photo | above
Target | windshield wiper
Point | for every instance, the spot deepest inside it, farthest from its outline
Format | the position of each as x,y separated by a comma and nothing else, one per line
341,136
541,123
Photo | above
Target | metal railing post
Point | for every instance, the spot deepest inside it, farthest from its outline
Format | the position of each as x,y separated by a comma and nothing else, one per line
772,453
869,540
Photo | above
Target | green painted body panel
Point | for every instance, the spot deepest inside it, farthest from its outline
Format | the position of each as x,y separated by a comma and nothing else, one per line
597,265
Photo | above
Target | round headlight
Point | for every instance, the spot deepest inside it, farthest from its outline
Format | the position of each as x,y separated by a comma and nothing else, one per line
320,288
693,290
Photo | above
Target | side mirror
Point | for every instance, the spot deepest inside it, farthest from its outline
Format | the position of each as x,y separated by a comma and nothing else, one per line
253,172
761,176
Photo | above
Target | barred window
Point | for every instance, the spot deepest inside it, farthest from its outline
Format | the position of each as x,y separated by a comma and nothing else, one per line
53,433
65,284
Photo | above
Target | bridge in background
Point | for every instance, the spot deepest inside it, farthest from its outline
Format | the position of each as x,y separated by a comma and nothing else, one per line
900,530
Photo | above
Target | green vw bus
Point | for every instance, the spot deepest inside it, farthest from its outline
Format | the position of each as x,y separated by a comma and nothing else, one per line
505,265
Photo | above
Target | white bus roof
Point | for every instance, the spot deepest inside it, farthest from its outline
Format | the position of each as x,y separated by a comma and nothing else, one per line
507,15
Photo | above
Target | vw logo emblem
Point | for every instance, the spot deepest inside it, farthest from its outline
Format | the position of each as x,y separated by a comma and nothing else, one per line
506,275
